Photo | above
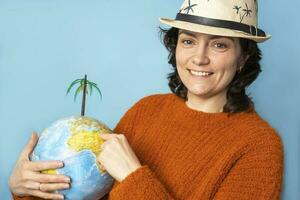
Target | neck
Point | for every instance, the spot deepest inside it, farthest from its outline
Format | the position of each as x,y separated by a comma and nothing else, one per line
213,104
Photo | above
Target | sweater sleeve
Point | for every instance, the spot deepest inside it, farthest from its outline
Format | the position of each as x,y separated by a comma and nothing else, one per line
25,198
255,175
127,122
141,184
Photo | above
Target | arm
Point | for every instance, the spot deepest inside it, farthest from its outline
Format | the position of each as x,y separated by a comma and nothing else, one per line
142,183
256,175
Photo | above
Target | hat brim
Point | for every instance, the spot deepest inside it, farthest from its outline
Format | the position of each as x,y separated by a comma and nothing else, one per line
211,30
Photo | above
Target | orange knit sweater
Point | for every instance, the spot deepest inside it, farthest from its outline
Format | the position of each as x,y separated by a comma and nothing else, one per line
187,154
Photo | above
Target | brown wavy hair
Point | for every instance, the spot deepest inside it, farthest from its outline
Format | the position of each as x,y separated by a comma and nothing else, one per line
237,99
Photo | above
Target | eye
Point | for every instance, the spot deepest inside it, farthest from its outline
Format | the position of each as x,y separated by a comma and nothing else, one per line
187,42
220,45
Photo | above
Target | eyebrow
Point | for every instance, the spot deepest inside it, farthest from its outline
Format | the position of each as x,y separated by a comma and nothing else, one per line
187,33
211,37
217,37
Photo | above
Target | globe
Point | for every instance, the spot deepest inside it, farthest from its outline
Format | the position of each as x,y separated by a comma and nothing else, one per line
76,142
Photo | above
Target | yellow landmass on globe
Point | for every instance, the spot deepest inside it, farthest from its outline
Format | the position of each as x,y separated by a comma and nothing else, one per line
89,122
85,135
84,139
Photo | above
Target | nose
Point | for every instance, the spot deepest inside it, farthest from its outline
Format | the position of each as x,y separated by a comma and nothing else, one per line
200,56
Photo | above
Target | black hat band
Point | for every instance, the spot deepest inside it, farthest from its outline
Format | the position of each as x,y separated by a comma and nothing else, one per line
252,30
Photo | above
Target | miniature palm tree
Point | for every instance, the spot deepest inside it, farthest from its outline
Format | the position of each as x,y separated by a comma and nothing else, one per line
83,83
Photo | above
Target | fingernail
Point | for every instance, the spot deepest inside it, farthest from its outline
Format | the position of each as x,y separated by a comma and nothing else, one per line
61,197
61,164
68,180
66,186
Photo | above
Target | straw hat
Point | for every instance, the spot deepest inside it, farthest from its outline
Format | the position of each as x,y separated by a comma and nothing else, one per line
232,18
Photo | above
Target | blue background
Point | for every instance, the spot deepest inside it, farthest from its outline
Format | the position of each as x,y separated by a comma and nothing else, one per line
44,45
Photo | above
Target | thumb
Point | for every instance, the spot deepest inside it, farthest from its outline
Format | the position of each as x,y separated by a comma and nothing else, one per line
30,146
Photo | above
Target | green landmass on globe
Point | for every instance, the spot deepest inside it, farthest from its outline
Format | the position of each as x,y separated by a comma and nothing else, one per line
75,140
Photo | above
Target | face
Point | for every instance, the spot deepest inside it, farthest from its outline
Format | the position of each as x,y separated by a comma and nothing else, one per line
207,64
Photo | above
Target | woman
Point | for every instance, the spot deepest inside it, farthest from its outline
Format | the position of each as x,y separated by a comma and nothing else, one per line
204,141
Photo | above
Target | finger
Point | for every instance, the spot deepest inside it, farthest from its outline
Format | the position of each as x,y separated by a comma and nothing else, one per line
108,136
117,139
48,187
121,136
108,156
50,178
33,185
46,178
103,145
101,166
113,143
124,141
30,146
46,195
45,165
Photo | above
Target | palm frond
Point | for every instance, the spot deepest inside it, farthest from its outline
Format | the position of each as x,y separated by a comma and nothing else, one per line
95,86
90,86
72,84
79,89
82,84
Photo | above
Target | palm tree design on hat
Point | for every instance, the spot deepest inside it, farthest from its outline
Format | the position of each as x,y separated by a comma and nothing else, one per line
190,7
247,12
237,8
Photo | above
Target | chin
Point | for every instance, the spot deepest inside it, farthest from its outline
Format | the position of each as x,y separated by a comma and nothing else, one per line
199,91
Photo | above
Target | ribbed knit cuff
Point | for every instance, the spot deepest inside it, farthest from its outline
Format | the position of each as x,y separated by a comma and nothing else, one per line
140,174
140,184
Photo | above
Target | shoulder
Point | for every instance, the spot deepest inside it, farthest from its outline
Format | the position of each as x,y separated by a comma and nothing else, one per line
258,132
258,144
155,100
149,104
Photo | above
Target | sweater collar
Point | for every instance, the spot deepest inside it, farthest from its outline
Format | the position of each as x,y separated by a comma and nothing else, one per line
195,114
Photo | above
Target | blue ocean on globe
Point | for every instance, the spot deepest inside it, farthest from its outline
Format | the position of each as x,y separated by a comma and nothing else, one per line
76,142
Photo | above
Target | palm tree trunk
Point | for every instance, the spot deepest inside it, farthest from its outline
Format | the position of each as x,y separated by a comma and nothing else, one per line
83,96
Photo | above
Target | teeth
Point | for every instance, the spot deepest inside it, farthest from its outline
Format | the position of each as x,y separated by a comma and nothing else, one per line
199,73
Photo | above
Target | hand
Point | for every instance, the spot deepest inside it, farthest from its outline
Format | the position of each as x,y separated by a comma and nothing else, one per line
27,179
117,157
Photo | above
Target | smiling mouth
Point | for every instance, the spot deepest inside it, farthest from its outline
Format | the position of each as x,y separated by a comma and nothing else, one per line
200,73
